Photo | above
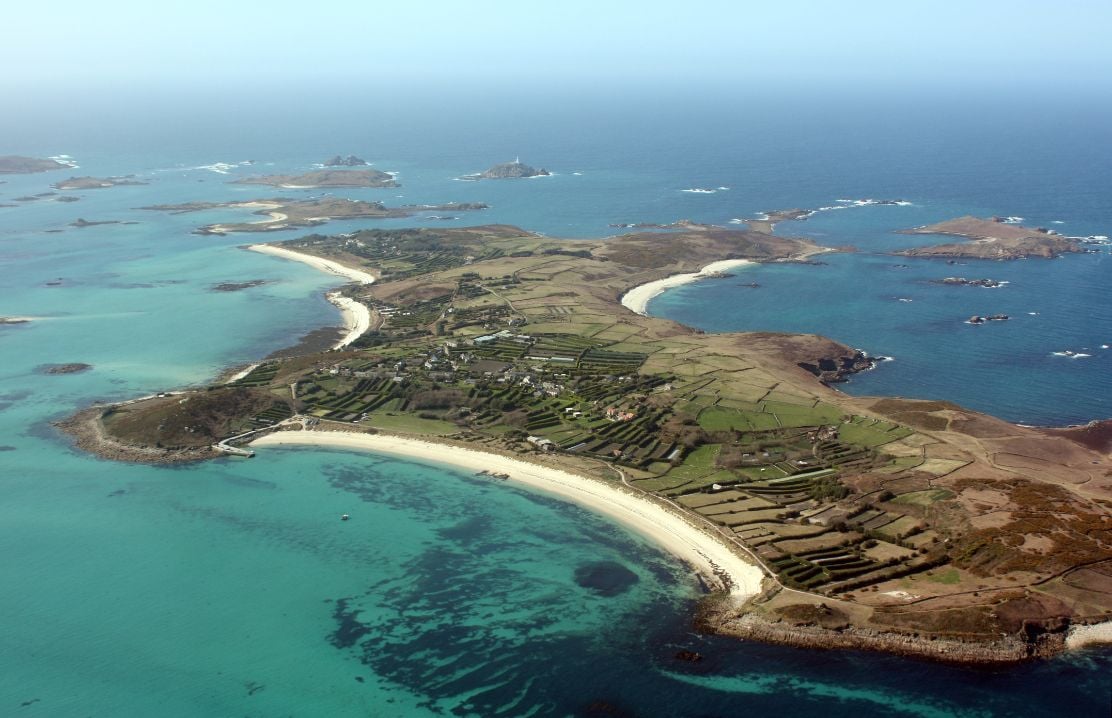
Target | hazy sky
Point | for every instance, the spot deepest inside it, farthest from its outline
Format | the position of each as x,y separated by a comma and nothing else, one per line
971,42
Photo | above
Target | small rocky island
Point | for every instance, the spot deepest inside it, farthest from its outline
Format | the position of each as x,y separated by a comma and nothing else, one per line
325,178
19,165
81,223
977,319
963,282
238,286
78,183
992,239
509,170
71,368
349,161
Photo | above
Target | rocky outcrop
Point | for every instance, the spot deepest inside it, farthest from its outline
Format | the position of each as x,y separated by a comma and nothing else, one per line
1006,649
349,161
238,286
81,223
978,319
963,282
836,369
1096,435
72,368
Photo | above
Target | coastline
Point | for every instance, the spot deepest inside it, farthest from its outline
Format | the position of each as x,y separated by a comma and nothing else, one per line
637,299
356,316
714,560
738,615
1093,634
324,265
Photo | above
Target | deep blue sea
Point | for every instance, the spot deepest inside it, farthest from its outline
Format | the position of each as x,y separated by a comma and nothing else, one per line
229,588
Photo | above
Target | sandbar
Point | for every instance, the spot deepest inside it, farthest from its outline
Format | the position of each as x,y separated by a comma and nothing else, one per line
637,299
710,556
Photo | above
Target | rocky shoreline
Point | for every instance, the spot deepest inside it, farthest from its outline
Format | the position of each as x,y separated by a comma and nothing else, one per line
87,433
838,369
991,239
1005,650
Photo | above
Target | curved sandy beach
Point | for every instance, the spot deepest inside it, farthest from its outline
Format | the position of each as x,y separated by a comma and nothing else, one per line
324,265
712,558
356,316
637,299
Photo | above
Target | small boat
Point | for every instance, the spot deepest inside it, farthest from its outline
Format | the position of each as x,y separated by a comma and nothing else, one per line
344,517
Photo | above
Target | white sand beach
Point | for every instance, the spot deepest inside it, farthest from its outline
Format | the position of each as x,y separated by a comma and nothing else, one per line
1091,635
324,265
709,555
637,299
357,318
241,373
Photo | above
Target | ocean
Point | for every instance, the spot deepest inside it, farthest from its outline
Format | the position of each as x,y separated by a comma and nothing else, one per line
231,587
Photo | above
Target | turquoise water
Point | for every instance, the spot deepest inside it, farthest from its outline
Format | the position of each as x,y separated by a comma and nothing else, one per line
231,587
890,306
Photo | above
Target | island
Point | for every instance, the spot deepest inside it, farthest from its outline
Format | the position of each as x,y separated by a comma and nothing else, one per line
817,518
509,170
79,183
349,161
238,286
325,178
963,282
978,319
80,223
992,239
71,368
286,214
19,165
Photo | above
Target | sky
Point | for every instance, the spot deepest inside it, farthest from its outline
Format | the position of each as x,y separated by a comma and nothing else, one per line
107,43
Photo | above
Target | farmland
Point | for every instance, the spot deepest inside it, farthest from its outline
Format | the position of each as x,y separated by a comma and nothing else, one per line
502,338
